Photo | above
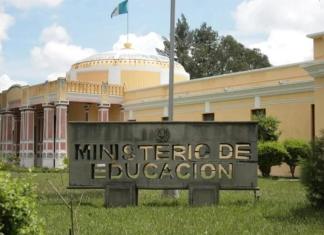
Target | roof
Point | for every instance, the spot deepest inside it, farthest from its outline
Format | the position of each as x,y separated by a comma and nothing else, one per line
316,35
125,54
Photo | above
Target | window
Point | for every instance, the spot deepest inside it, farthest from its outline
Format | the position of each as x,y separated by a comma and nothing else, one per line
258,112
208,117
165,119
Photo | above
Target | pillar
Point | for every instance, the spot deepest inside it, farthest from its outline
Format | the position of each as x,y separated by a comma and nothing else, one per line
16,134
61,134
316,70
103,112
27,144
48,159
8,140
1,135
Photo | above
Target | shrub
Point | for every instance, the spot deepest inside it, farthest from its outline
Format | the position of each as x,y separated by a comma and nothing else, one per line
313,173
17,207
270,154
297,149
267,128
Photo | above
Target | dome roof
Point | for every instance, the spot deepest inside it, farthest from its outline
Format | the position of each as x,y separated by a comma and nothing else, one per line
126,53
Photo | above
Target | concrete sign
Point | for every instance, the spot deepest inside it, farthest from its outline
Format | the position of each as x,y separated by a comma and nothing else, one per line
199,156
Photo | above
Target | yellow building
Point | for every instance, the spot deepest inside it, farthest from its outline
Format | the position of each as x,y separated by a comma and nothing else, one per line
128,85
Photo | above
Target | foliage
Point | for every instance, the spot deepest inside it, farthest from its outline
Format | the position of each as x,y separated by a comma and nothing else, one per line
297,149
313,172
204,53
267,128
270,154
282,209
7,166
18,213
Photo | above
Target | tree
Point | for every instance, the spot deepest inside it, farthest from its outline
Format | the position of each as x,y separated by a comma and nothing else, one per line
267,128
235,57
183,42
204,53
270,154
313,173
297,150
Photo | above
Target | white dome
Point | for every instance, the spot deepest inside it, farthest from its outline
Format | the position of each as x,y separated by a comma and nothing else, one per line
127,66
125,54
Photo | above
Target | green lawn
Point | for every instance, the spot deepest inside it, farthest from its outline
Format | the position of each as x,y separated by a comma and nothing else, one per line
282,209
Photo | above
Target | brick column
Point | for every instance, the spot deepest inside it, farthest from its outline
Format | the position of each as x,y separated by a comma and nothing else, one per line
27,142
8,127
1,135
16,137
103,112
61,134
48,136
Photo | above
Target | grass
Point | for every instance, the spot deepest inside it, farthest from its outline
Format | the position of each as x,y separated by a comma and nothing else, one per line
282,209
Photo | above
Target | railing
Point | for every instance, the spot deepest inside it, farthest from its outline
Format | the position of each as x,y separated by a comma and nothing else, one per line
60,88
115,90
90,88
83,87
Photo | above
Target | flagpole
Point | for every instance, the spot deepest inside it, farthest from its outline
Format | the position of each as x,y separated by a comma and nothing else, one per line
127,24
171,66
171,193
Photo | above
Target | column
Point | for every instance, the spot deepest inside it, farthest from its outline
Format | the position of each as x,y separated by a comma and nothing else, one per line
316,70
103,112
16,133
8,127
27,144
1,135
61,134
48,137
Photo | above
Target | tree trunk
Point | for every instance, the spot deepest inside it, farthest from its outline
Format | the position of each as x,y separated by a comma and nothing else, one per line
265,170
292,170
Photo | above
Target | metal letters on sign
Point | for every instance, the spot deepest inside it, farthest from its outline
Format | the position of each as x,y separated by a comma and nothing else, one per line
164,155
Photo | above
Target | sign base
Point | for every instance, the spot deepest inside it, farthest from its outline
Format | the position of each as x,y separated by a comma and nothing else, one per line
202,194
121,194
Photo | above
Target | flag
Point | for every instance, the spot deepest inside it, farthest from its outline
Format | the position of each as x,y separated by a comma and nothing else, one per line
122,8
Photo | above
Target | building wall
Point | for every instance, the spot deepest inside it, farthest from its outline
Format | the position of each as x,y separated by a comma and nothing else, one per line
319,48
93,76
139,79
319,104
76,112
115,114
243,80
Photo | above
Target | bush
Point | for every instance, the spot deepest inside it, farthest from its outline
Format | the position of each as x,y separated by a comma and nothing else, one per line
17,207
270,154
297,149
267,128
313,173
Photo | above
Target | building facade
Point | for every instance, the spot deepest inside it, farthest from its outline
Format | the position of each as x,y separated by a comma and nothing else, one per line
128,85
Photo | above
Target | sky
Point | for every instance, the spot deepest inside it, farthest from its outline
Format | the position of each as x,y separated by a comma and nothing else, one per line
41,39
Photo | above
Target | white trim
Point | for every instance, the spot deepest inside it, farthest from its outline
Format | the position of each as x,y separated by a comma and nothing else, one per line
316,35
257,102
315,69
207,107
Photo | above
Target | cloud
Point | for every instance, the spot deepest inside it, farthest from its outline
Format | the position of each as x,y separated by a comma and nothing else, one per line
55,33
264,15
6,21
6,82
55,76
286,46
27,4
57,53
146,43
284,24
